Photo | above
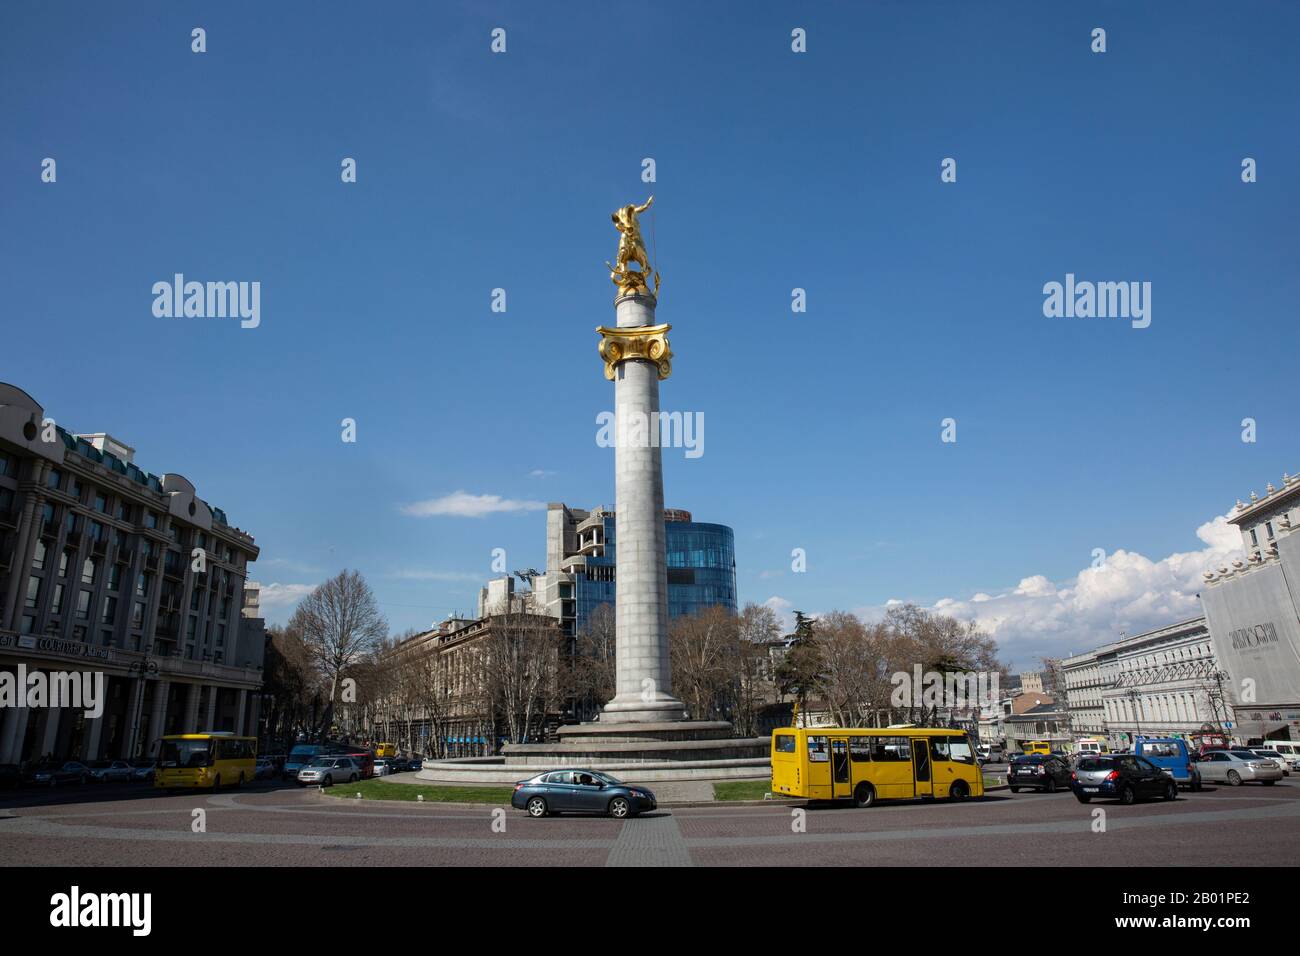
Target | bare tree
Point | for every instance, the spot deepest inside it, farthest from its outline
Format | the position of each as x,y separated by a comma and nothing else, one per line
593,664
703,652
757,629
339,623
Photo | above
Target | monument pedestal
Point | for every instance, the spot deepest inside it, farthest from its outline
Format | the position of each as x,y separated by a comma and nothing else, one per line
604,743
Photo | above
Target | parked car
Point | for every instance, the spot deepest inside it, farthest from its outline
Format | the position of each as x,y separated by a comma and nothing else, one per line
1288,750
1274,756
365,760
142,769
54,775
11,776
383,767
580,791
109,771
1047,772
1124,777
264,769
989,753
1235,767
415,763
1171,755
398,765
327,771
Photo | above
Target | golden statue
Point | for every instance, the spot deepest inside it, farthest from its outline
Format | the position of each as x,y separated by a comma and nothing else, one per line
631,248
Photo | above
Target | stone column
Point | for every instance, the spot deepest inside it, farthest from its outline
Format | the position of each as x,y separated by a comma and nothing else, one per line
239,712
157,714
94,731
134,713
28,532
210,721
191,724
640,357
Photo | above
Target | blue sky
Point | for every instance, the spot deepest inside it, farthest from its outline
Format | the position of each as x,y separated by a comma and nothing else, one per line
775,170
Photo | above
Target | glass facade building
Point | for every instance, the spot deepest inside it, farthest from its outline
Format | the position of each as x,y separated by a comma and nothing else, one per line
701,560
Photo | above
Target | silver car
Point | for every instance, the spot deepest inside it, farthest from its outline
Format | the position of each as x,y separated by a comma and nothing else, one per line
104,771
327,771
1274,756
1235,767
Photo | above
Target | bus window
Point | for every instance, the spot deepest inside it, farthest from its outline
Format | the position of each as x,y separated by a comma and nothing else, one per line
959,750
895,749
860,749
840,765
817,750
785,743
922,761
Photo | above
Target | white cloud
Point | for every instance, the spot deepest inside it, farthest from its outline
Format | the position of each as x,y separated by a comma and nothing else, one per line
421,574
783,610
279,600
1127,593
542,473
461,504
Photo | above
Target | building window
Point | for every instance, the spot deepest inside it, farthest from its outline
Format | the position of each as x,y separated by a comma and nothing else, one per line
38,556
83,605
88,569
123,510
56,606
74,488
137,614
54,479
150,519
33,593
110,610
101,502
115,577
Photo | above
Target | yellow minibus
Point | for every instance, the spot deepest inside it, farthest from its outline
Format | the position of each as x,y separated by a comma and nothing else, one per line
869,764
205,760
385,751
1037,747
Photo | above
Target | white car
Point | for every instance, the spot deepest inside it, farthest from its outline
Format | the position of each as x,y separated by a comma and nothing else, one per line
1288,750
1274,756
383,768
1235,767
327,771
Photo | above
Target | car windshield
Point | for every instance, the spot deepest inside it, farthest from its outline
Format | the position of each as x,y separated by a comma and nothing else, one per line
1243,754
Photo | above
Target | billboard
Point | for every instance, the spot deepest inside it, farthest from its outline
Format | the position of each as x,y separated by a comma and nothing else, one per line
1256,634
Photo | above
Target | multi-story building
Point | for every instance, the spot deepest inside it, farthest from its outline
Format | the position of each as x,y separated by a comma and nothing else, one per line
107,568
446,689
581,561
1162,682
1253,610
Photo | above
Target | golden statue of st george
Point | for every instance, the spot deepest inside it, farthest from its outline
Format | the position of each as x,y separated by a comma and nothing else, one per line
631,248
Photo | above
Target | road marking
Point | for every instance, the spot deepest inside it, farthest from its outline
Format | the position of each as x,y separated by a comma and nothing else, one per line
654,840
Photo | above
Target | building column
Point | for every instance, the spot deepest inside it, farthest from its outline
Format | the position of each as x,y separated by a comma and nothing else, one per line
191,724
210,723
157,714
134,714
21,568
239,712
51,736
94,731
11,736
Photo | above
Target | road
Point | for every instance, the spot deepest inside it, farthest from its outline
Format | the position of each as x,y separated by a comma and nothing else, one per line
285,826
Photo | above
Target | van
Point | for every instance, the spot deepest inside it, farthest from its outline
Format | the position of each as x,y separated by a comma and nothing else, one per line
1037,747
1091,745
1171,755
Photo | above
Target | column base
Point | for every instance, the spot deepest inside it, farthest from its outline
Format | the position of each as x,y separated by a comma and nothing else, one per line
632,709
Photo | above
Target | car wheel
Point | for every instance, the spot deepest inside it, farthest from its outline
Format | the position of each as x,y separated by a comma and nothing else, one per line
1015,789
1083,798
1127,795
864,796
619,807
1171,791
1196,785
328,781
958,792
1234,778
1051,785
536,807
352,779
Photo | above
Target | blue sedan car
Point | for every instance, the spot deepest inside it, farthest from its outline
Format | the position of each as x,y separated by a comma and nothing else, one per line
580,791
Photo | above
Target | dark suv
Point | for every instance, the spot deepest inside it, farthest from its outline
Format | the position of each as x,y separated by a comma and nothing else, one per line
1039,772
1124,777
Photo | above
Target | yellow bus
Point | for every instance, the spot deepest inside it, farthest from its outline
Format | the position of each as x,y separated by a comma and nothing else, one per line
205,760
866,765
1037,747
385,751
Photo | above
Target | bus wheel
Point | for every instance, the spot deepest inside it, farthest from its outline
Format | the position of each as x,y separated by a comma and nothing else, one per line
864,796
957,792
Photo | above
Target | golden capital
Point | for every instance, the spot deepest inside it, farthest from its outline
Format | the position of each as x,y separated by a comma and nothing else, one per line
649,342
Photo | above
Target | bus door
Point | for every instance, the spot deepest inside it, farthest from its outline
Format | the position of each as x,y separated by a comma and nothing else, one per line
840,784
921,767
